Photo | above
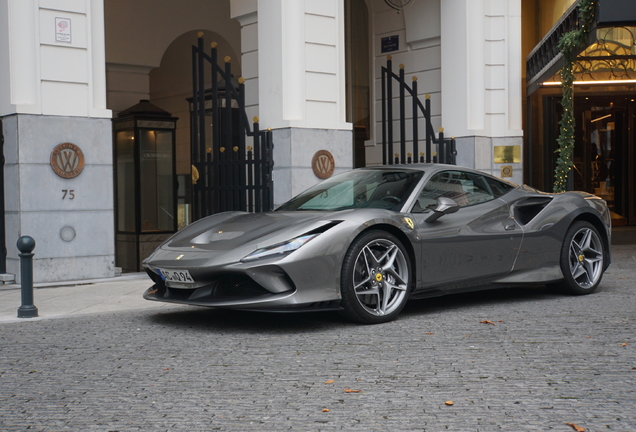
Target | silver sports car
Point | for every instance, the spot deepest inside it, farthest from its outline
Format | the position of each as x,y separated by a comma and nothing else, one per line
365,241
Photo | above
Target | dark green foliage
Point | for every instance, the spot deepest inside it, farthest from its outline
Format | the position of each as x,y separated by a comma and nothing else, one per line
570,44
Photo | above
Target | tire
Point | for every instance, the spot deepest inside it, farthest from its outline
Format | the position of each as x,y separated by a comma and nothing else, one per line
375,278
582,260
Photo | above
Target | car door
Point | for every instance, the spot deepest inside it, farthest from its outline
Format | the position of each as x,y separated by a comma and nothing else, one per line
478,242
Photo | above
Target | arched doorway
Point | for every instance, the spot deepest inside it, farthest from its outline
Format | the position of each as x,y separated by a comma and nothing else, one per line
170,89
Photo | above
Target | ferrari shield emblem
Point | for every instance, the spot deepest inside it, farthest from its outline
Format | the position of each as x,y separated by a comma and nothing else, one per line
409,222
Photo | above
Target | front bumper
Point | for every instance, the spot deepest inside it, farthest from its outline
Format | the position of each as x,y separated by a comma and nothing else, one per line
282,284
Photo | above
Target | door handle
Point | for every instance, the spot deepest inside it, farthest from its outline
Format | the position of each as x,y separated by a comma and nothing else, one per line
510,226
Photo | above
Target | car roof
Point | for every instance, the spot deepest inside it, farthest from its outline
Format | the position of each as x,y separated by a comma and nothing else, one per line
419,167
430,168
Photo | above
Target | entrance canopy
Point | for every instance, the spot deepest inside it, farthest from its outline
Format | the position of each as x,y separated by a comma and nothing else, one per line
609,56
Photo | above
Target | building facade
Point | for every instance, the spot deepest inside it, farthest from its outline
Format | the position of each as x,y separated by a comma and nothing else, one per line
312,74
604,100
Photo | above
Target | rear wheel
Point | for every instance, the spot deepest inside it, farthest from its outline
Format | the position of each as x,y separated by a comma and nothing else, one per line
375,278
582,259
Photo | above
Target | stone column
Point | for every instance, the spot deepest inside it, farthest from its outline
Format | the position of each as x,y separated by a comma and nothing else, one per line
53,91
481,80
293,52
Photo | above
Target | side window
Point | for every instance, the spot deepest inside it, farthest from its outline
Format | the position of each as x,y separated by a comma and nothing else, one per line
477,189
465,188
499,188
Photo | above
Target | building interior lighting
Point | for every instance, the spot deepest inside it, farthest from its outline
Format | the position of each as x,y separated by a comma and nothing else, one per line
601,118
558,83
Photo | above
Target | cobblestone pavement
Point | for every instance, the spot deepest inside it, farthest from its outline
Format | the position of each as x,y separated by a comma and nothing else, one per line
545,361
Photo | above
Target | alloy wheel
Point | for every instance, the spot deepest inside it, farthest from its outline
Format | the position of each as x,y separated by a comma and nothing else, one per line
586,258
380,277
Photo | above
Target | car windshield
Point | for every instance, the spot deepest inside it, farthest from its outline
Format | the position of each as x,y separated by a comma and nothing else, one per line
364,188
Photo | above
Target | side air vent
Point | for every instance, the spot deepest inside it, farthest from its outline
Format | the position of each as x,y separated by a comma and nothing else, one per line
527,209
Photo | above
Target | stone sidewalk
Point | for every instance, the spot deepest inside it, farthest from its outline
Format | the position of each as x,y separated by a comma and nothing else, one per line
62,299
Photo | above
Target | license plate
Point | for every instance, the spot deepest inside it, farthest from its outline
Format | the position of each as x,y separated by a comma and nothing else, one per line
180,276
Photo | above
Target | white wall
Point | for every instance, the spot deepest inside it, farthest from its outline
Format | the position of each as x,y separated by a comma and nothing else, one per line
418,29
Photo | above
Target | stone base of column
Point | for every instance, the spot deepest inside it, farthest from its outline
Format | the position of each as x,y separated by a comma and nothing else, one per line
478,152
71,219
294,149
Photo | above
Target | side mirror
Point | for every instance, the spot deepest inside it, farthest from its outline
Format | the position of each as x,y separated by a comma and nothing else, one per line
444,206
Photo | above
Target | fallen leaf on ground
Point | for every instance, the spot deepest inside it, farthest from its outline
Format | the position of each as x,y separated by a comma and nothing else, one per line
330,382
575,427
430,334
449,403
352,391
325,410
625,344
486,322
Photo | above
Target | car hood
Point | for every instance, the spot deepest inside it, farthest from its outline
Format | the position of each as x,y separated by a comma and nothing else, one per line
231,230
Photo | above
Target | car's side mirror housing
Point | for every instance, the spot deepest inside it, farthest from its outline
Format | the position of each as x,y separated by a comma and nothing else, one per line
443,207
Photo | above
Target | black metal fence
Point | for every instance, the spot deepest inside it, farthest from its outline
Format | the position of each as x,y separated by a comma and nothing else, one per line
436,149
227,173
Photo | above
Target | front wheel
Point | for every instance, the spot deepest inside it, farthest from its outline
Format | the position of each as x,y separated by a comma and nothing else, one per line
582,259
375,278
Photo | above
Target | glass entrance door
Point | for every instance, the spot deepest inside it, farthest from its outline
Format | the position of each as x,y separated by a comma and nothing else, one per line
604,153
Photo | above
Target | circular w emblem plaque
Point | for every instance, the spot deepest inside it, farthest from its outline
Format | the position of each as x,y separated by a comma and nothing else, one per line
67,160
323,164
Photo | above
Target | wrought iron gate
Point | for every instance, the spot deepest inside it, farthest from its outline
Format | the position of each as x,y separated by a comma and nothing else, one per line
439,149
227,173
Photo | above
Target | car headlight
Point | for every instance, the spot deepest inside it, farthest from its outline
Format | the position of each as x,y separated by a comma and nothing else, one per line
283,248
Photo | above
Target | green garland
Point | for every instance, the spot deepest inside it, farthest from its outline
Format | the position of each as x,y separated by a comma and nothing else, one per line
570,45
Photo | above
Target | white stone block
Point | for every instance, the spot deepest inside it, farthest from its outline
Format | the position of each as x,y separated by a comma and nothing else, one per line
321,115
64,64
321,58
64,99
495,28
78,6
322,87
249,38
495,52
321,7
496,77
321,30
79,27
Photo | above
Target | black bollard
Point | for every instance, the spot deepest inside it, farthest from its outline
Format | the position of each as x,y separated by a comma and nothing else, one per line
26,245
